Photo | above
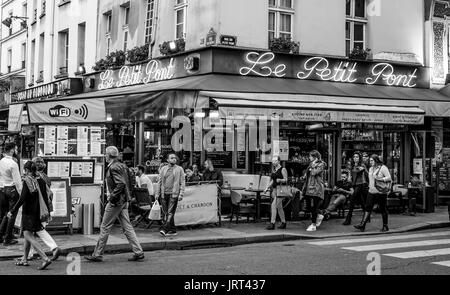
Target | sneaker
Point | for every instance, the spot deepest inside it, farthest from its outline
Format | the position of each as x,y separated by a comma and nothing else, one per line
9,242
271,226
312,227
171,233
93,258
319,220
163,232
136,257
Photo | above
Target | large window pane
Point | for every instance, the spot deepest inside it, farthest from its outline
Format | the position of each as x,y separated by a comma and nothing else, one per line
180,16
347,47
285,23
359,32
348,10
360,8
272,3
347,30
271,21
286,3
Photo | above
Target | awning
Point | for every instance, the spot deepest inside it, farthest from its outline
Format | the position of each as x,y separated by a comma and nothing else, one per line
141,98
319,112
114,108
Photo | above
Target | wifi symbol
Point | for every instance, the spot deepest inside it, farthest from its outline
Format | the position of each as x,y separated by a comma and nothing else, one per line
83,112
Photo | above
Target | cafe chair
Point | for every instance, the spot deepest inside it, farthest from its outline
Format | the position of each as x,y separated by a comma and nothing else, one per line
241,206
144,202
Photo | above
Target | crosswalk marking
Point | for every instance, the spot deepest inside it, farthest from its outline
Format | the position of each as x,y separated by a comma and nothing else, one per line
378,239
442,263
419,254
398,245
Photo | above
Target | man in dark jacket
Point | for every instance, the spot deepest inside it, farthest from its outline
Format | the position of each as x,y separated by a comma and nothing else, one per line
212,174
118,191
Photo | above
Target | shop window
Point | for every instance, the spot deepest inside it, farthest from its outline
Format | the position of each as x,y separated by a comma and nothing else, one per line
157,145
149,22
281,16
355,25
180,19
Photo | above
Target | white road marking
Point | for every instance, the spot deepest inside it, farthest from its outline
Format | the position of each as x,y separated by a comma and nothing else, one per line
418,254
398,245
387,237
442,263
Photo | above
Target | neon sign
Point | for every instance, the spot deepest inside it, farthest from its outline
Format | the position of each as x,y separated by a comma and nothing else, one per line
138,74
330,69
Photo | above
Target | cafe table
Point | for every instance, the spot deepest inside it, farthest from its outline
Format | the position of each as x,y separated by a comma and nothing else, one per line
258,201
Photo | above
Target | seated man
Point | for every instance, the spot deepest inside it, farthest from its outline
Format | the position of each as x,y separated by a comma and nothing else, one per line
142,181
340,193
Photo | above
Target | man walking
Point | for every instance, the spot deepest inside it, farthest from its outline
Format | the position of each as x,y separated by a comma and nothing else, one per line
43,234
118,188
11,186
171,189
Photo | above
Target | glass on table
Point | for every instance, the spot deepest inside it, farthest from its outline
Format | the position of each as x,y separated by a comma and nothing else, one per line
250,185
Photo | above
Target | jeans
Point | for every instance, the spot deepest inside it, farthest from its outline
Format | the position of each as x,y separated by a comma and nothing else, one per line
169,206
3,207
359,196
109,217
10,198
381,200
338,200
277,206
315,207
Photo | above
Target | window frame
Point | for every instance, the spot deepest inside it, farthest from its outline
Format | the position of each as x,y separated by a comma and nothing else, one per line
108,22
125,40
180,6
279,10
9,60
355,20
149,20
23,56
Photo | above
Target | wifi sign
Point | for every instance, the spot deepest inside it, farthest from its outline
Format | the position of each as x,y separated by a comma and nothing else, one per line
82,112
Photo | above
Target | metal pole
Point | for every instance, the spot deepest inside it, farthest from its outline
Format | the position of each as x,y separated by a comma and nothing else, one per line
424,191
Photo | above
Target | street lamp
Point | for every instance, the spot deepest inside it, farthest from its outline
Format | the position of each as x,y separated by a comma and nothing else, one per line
8,21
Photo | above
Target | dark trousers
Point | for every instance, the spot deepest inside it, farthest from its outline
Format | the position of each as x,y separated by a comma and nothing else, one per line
10,198
359,196
169,206
381,200
314,209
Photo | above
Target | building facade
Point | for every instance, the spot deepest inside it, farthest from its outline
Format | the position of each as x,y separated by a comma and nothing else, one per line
13,48
61,38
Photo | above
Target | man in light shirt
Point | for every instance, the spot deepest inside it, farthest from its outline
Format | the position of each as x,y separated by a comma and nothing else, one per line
11,186
143,181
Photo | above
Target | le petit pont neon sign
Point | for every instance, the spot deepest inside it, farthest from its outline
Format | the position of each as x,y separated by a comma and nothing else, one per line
321,68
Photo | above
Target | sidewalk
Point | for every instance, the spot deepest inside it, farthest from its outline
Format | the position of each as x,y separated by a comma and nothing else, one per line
231,234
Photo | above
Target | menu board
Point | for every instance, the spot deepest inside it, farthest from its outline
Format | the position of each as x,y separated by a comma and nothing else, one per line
71,141
79,171
62,202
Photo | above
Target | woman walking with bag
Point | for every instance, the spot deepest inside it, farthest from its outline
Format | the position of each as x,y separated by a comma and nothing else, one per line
278,187
314,188
35,211
380,182
360,185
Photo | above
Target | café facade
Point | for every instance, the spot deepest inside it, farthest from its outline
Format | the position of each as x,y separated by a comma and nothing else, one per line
228,104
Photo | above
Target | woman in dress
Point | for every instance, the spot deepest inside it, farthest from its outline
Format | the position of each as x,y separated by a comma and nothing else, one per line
377,172
359,183
31,214
314,188
279,176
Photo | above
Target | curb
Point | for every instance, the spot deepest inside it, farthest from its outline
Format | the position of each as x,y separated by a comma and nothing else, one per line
235,241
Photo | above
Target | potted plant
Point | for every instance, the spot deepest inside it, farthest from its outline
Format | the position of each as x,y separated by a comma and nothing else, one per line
137,54
171,47
113,60
285,45
361,54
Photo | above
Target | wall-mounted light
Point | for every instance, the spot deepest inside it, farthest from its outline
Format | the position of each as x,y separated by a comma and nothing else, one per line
108,117
8,21
214,114
173,46
81,70
199,114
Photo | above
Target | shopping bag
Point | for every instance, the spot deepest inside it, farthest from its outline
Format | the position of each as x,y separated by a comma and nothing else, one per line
155,212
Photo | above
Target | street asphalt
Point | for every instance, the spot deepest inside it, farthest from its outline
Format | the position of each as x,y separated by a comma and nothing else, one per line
302,257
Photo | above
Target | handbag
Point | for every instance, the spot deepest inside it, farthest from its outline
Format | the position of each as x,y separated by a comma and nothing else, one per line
155,212
383,187
44,214
283,190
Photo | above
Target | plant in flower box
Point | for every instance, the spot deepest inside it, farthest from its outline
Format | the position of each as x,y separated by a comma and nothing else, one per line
285,45
172,47
361,54
137,54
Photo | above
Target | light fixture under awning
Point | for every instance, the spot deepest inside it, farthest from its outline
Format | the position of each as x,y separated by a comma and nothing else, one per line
320,112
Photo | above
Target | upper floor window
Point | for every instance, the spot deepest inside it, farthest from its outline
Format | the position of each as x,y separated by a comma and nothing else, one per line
125,40
281,17
108,22
180,19
149,21
23,55
355,25
9,61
